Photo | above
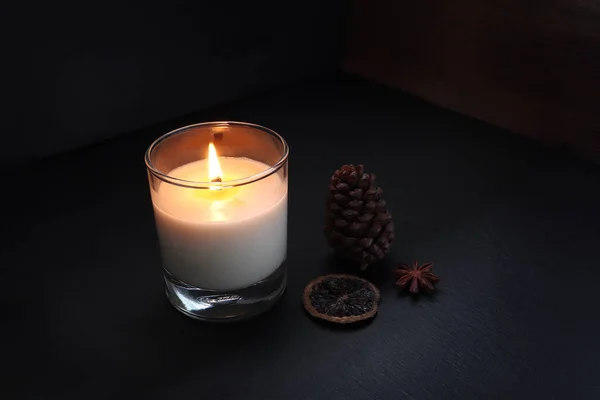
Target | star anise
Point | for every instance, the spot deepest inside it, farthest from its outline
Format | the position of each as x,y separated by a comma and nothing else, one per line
418,276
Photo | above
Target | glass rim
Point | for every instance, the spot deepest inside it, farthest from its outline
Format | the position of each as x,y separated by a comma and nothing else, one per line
207,184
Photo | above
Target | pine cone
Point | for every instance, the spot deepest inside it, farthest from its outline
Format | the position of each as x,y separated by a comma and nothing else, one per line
357,222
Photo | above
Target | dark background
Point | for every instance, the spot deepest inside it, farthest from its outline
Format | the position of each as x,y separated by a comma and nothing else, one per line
532,67
511,225
76,73
80,72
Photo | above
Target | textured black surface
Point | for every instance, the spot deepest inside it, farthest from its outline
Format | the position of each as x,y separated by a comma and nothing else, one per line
513,229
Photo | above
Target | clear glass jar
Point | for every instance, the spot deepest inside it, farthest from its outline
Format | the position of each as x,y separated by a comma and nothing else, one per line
222,226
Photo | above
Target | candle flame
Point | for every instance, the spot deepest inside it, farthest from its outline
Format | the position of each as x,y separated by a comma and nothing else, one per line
215,174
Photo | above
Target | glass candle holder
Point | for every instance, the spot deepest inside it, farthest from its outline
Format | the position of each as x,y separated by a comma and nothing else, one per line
219,192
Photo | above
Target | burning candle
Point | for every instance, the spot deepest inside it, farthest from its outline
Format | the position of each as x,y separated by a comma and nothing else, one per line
221,220
223,237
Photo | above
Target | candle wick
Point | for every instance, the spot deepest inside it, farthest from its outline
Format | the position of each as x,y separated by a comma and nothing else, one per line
217,179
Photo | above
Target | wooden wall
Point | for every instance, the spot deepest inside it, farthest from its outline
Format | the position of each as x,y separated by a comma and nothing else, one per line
531,66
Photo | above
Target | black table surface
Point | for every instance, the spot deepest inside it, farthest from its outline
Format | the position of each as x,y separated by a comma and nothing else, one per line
512,227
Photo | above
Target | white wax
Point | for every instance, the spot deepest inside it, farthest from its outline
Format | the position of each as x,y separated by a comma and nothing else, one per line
225,240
